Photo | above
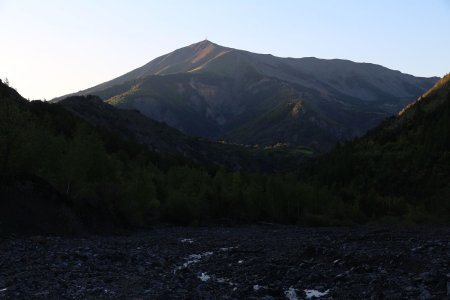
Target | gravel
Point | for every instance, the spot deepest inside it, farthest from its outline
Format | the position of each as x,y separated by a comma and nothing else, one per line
247,262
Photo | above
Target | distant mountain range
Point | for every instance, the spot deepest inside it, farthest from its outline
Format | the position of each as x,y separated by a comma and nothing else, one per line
217,92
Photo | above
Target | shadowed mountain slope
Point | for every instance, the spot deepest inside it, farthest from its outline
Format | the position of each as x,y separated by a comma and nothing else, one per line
169,142
402,165
222,93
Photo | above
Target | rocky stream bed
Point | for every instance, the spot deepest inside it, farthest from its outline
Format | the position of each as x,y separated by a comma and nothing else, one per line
249,262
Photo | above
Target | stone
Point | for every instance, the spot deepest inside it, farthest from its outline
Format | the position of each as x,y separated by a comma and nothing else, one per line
98,266
424,294
267,297
411,289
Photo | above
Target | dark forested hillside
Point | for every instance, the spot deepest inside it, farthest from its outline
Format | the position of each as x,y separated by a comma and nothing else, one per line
107,181
58,169
169,142
401,167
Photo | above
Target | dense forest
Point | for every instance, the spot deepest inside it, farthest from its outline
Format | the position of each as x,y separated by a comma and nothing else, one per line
401,168
397,172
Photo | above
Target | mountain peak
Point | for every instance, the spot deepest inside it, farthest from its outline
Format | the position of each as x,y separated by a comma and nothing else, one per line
203,43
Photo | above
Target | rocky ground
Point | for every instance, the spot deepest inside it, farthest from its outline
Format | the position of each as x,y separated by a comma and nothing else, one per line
255,262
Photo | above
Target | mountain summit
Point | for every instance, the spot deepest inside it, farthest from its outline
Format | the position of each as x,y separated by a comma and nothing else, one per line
186,59
209,90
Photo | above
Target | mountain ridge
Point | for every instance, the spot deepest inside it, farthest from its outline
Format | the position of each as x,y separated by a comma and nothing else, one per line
212,91
150,69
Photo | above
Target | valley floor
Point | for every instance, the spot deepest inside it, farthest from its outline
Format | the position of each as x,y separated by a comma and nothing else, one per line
252,262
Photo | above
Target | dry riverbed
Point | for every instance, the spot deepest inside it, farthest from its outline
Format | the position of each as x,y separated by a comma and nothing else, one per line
252,262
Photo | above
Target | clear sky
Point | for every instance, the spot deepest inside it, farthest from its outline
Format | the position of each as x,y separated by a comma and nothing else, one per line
53,47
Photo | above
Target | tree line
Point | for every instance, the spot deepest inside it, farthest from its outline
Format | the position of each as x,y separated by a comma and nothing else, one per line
364,180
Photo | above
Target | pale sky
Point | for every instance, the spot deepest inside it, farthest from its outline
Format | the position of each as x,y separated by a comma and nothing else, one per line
53,47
